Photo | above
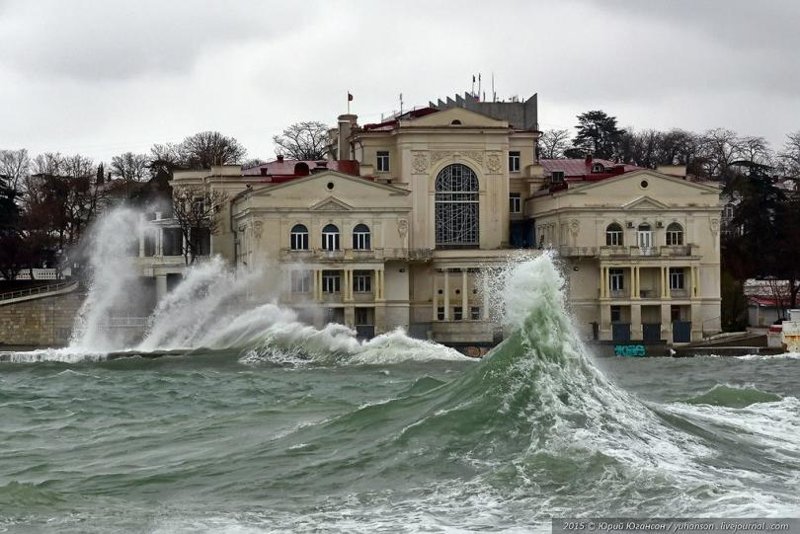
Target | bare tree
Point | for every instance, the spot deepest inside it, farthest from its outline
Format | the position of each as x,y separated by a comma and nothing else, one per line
303,140
640,148
48,163
719,148
130,167
196,211
789,156
14,168
204,149
165,159
553,143
756,150
677,147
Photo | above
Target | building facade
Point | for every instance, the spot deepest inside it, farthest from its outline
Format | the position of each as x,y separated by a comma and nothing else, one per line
641,253
407,220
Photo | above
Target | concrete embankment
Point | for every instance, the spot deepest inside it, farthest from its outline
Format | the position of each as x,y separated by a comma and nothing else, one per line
40,319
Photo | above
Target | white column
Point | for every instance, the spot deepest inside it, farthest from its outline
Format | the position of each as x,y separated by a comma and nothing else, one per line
485,296
663,282
446,296
603,284
161,286
464,297
435,299
317,284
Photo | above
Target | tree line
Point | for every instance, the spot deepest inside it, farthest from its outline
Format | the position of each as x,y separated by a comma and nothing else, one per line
709,155
47,201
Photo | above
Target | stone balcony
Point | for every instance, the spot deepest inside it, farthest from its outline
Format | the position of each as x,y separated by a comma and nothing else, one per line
351,255
627,252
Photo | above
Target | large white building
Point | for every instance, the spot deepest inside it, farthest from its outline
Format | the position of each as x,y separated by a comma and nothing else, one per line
401,225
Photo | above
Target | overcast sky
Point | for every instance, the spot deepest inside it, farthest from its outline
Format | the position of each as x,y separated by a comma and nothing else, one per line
104,77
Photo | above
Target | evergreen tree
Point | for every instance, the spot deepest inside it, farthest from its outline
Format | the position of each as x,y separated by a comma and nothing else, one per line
597,135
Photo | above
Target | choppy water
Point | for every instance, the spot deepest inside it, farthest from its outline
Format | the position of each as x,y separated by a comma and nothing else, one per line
279,428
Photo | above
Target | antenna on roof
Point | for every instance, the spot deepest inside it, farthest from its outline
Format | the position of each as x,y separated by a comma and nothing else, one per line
479,86
494,95
401,103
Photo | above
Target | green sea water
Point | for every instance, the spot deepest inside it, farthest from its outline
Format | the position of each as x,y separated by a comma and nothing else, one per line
278,427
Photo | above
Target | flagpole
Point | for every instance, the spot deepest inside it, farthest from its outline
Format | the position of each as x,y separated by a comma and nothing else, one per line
348,102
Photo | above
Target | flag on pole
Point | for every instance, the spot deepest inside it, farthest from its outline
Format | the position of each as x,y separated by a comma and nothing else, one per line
349,97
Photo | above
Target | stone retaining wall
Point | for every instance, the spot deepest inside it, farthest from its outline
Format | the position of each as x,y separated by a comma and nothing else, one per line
43,322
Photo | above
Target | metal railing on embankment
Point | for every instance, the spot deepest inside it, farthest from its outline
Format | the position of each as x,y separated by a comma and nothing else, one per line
39,291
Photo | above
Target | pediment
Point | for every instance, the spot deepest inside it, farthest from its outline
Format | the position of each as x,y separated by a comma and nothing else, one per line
331,204
464,117
644,203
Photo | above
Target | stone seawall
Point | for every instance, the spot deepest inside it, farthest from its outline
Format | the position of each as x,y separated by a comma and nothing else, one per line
41,322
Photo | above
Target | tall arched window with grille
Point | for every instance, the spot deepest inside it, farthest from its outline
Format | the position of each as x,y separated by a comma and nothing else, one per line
330,237
361,237
614,235
456,210
674,234
299,237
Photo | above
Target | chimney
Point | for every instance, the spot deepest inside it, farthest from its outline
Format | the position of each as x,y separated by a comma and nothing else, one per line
346,124
588,159
280,158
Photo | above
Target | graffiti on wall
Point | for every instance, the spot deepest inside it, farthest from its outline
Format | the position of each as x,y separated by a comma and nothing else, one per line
634,351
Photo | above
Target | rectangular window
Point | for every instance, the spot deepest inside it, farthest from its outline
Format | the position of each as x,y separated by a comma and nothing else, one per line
557,177
457,315
150,242
440,313
362,316
674,237
475,313
301,281
515,203
361,241
198,207
675,278
614,238
330,240
616,314
362,281
513,161
172,242
383,161
616,279
201,241
299,241
331,281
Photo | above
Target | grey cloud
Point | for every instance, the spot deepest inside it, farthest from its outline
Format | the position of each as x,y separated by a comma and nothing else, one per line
92,41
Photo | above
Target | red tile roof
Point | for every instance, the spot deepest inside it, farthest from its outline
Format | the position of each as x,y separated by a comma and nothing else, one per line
281,169
581,169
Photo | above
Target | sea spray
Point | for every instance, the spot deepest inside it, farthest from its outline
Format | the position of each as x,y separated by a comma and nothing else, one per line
114,278
196,310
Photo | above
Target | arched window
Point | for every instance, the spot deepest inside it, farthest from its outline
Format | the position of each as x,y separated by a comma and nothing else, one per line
644,236
330,237
361,237
614,235
299,237
456,209
674,234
